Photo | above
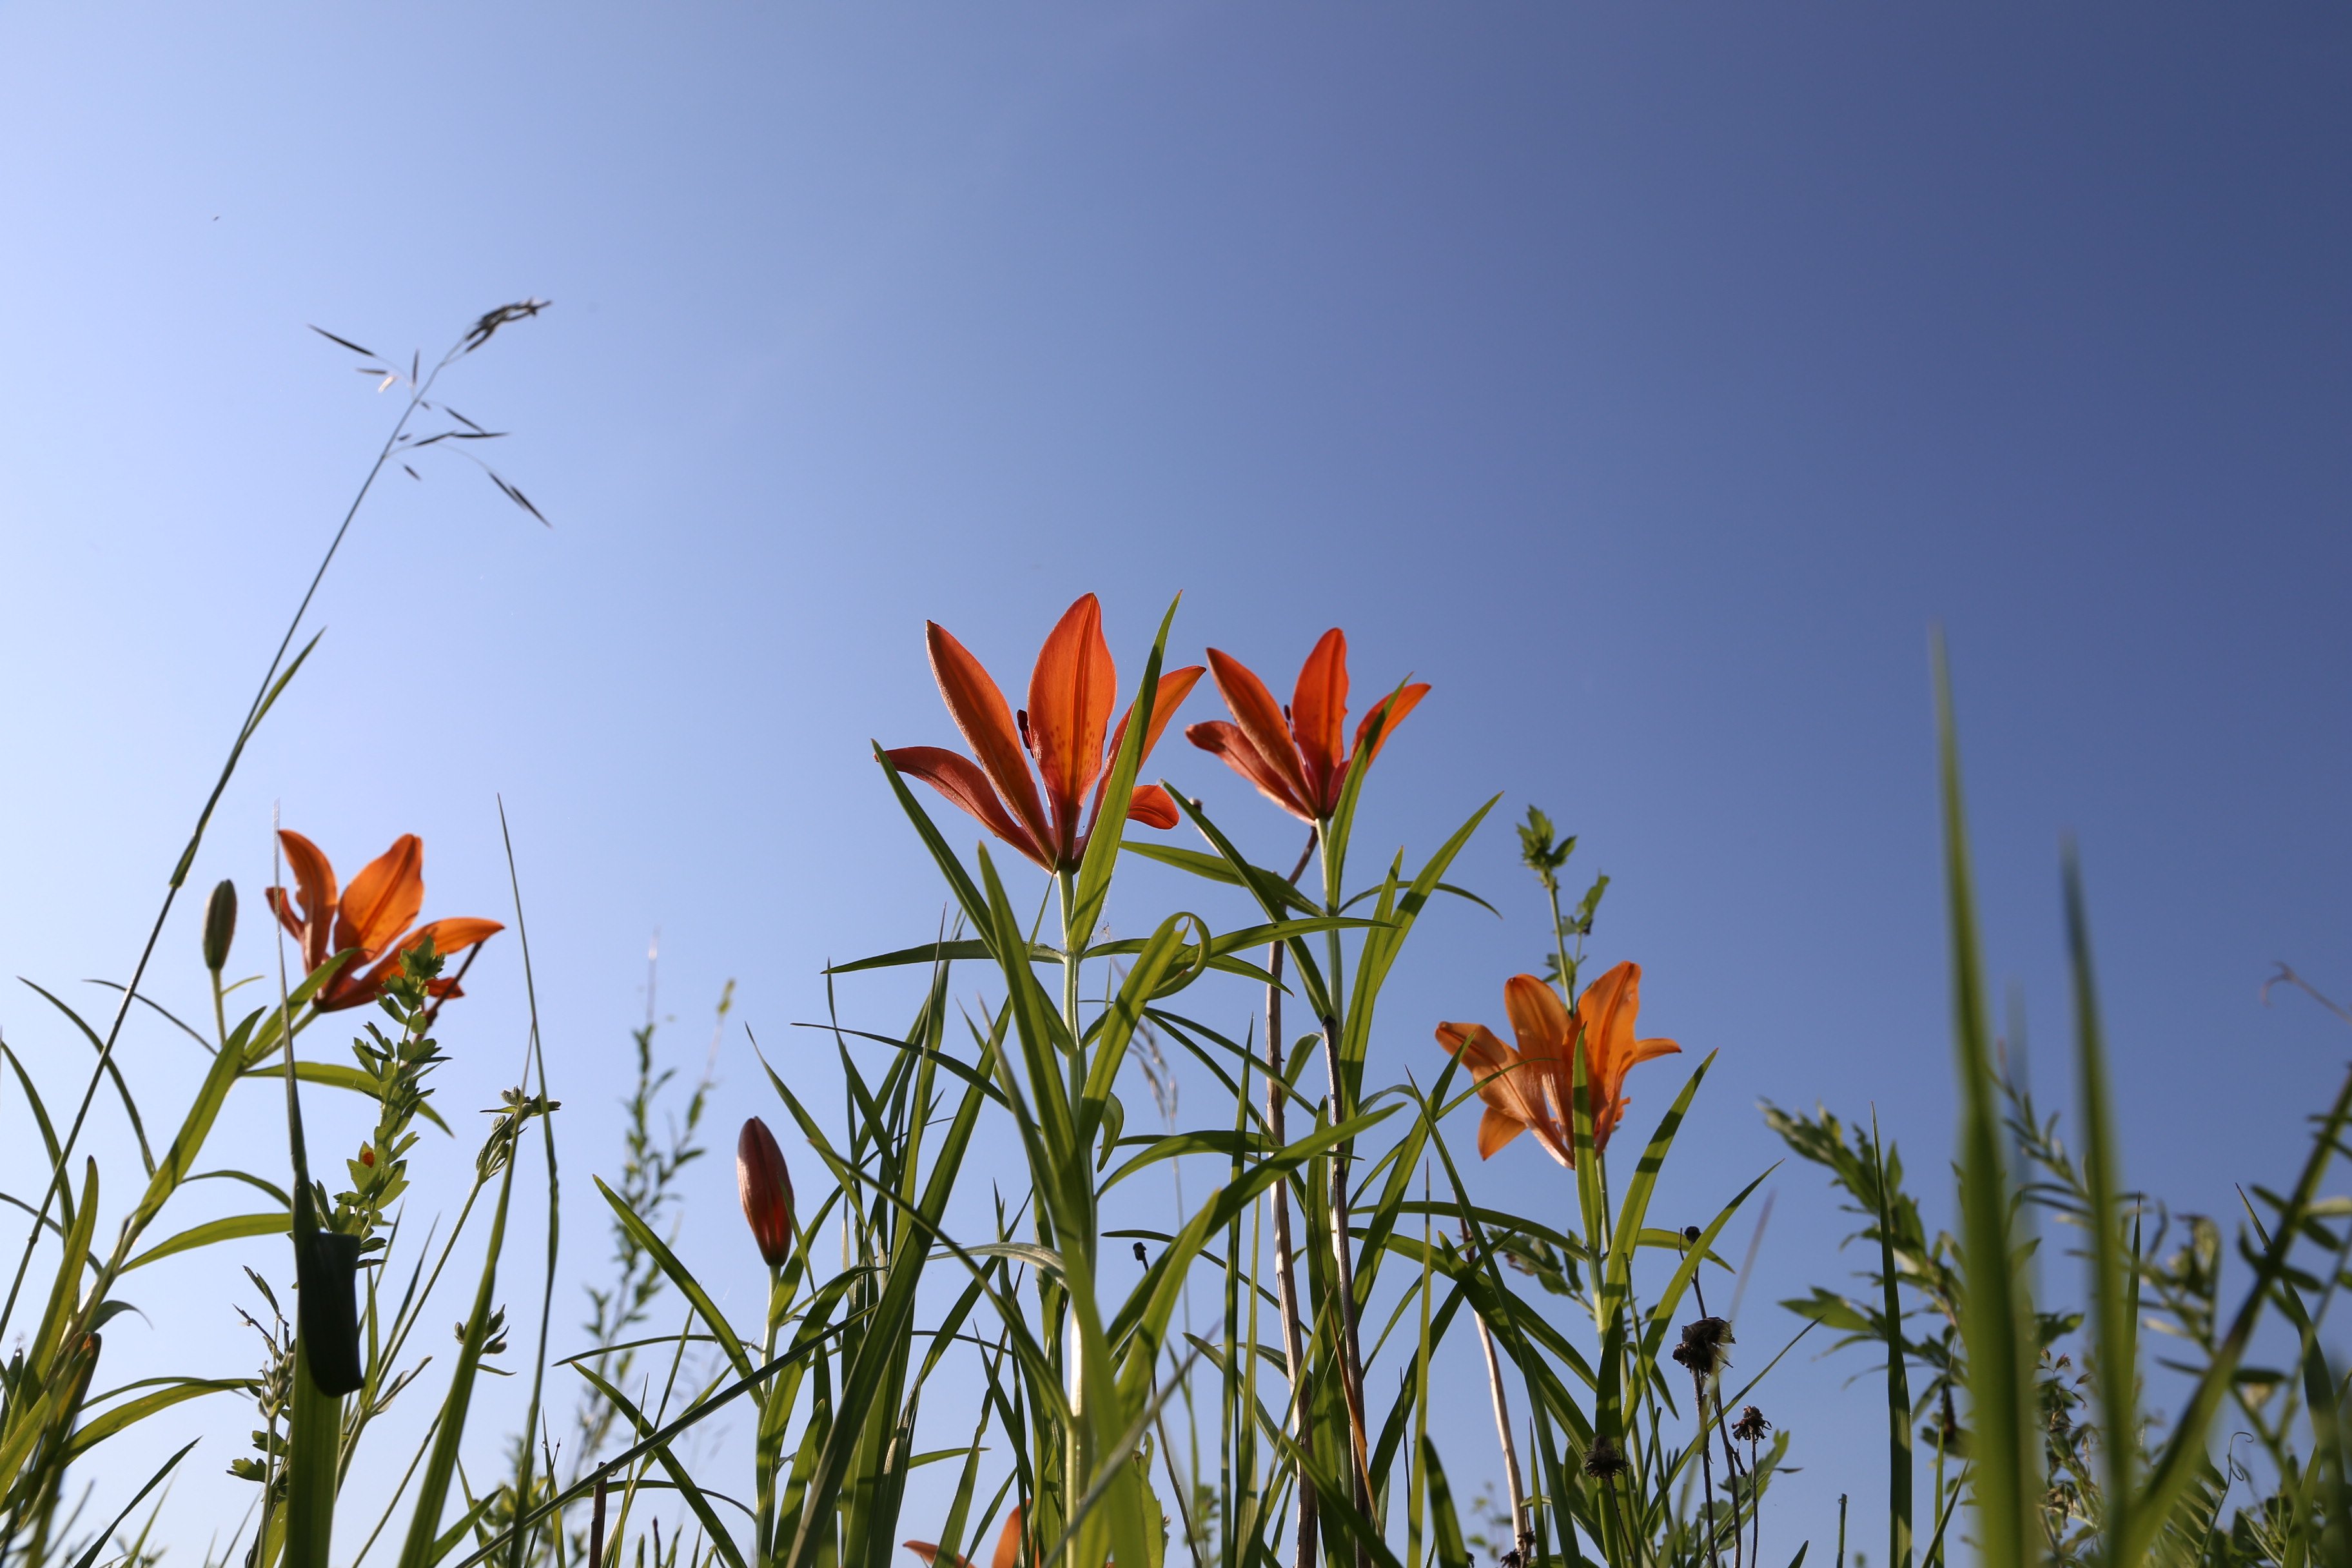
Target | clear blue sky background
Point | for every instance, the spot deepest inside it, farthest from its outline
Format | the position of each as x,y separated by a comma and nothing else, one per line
1649,379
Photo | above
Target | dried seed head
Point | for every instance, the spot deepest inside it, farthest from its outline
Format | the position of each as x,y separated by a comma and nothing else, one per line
766,1188
1604,1461
1691,1234
1751,1426
220,926
1703,1347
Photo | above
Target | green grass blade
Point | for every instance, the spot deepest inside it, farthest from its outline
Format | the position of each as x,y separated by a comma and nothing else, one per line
1101,857
433,1486
2006,1453
313,1447
2113,1273
229,1227
645,1236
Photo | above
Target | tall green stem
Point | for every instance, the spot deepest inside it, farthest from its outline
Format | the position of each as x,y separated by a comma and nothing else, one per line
314,1434
1351,1357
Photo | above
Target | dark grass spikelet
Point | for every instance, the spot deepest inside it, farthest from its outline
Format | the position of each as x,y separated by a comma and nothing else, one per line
1604,1461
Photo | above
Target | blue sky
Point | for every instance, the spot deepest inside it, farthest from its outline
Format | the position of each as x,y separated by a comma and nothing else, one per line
1648,380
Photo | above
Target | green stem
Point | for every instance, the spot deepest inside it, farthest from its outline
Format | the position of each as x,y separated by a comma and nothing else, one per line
313,1438
771,1453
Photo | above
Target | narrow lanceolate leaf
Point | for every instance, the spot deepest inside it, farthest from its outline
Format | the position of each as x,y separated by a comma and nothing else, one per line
2006,1458
180,1391
418,1551
2113,1275
1102,849
645,1236
229,1227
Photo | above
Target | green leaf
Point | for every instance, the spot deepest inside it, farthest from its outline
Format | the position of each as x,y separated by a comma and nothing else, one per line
180,1390
2005,1453
230,1227
645,1236
338,1075
1101,858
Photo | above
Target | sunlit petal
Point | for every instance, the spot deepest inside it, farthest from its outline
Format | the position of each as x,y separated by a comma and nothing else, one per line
1260,719
1395,708
1167,697
383,898
1070,697
315,876
1318,717
959,779
979,711
1152,806
1008,1542
1228,742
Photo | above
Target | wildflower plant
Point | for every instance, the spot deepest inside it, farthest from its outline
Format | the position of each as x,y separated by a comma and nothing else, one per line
1338,1246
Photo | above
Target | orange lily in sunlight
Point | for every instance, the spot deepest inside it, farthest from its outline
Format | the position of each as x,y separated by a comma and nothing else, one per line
1298,756
1070,697
1008,1547
367,919
1532,1088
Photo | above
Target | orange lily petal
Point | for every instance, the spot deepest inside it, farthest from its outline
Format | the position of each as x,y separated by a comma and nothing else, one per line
1008,1547
1167,697
451,934
1152,806
979,711
1607,1011
958,778
1539,1019
383,898
1318,716
1607,1008
1647,1050
281,904
1507,1081
1396,706
1008,1541
1070,697
1497,1128
1227,742
448,936
315,875
1254,710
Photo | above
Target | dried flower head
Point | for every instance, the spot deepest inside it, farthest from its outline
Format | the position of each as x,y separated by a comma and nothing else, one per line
1604,1461
766,1188
1751,1426
1703,1347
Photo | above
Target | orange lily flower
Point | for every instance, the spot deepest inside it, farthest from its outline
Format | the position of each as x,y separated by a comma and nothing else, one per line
367,919
1532,1088
1298,756
1008,1547
1070,694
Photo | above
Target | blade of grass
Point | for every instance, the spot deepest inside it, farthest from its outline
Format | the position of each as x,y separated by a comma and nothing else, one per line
1994,1319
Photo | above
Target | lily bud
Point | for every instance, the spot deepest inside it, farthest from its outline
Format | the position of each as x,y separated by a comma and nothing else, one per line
220,926
766,1188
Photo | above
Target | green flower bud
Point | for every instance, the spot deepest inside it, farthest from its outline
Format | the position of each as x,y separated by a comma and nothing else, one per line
220,926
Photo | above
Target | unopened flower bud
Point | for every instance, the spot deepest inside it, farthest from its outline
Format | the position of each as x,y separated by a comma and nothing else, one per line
766,1188
220,926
